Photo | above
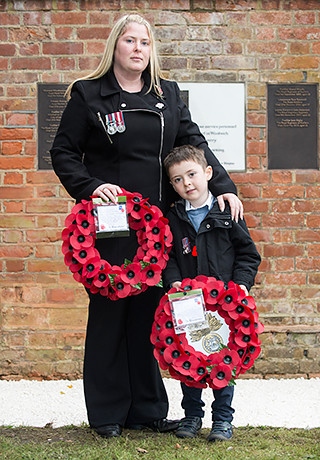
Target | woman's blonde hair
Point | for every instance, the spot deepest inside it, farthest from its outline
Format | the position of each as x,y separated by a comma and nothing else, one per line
107,59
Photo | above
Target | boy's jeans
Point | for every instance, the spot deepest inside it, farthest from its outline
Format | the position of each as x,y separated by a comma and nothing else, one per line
221,405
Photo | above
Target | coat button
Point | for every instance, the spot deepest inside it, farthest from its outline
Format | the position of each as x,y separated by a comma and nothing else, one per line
226,223
208,226
123,104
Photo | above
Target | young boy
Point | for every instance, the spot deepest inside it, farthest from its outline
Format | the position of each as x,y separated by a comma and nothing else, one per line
206,241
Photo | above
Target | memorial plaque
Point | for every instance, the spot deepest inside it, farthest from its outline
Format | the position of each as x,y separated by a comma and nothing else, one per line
219,111
51,103
293,126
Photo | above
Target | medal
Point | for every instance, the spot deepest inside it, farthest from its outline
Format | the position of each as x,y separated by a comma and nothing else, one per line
115,123
121,127
111,123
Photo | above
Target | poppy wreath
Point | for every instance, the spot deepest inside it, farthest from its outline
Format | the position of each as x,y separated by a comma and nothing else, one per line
221,368
132,277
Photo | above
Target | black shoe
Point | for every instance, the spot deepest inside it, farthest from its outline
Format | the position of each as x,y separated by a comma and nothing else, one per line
221,431
189,427
161,426
109,431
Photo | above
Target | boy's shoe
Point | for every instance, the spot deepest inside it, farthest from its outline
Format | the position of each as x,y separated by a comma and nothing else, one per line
189,427
221,431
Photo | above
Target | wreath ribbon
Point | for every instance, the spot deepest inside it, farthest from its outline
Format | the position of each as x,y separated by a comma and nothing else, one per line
221,368
132,277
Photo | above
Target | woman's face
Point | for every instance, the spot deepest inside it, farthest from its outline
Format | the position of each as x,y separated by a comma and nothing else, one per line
132,51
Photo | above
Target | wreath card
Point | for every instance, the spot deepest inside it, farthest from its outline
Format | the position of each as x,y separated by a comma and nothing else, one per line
188,310
110,219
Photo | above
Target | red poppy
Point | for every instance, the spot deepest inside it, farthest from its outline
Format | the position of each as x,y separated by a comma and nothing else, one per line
220,376
70,221
212,291
245,325
121,289
131,273
101,279
72,263
79,240
167,336
83,255
134,203
152,216
158,354
151,274
155,260
172,352
66,247
248,358
225,356
184,363
198,370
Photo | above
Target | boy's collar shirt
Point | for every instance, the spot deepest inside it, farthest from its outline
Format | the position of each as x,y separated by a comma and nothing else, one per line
209,203
196,215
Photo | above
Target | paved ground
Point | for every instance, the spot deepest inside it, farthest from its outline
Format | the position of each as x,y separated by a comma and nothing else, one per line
291,403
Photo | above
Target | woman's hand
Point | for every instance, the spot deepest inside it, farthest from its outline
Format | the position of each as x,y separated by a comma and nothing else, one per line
108,192
236,205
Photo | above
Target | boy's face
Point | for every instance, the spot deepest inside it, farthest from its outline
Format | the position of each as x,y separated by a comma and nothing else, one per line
190,180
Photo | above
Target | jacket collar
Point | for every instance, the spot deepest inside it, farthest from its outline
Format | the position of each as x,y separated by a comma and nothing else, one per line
214,212
109,84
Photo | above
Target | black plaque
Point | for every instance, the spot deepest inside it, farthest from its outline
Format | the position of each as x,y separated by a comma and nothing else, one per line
51,103
293,126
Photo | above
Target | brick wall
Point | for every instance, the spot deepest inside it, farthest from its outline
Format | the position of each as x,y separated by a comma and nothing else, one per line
43,311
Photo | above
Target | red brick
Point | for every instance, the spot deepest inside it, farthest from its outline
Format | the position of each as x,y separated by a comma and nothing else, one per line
274,18
93,33
16,133
299,62
7,49
283,250
280,192
11,148
283,236
69,18
56,48
313,221
15,251
15,265
16,192
13,178
13,206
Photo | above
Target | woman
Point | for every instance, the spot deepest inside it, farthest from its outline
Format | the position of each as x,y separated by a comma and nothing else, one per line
119,124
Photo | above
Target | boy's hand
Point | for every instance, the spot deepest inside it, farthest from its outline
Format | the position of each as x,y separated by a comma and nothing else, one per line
176,284
236,205
244,288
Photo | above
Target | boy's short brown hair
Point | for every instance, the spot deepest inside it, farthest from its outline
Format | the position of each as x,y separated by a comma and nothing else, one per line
185,153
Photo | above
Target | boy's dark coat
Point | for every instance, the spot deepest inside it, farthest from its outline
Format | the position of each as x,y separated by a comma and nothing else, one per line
224,247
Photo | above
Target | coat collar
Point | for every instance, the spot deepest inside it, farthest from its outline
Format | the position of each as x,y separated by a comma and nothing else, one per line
109,84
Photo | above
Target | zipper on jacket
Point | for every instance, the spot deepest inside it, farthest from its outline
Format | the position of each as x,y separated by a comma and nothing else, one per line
104,127
160,114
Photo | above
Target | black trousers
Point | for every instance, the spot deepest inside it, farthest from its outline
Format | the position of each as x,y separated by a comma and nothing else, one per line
122,382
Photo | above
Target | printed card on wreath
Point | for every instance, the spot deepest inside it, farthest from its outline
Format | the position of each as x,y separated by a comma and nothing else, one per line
110,218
